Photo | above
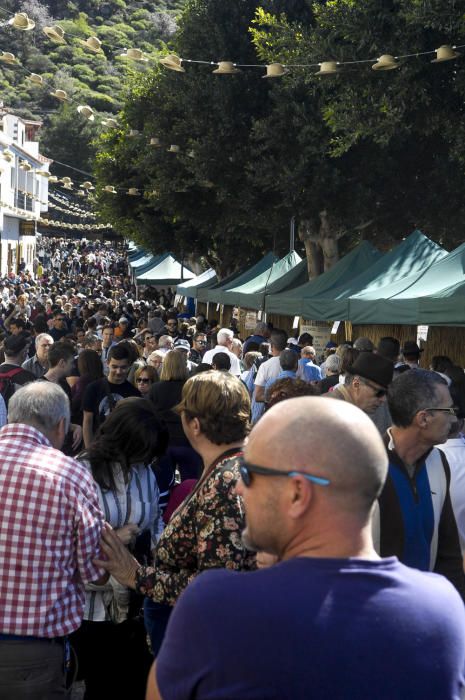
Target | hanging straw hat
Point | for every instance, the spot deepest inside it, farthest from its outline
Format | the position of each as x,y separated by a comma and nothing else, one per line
92,43
8,155
53,178
226,68
328,68
55,34
275,70
385,62
134,132
68,186
60,95
24,165
134,55
22,21
87,185
7,57
66,180
173,148
110,189
155,141
37,79
86,112
173,62
134,192
112,123
445,53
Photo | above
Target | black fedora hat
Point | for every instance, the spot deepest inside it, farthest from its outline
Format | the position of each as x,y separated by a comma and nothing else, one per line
411,348
374,367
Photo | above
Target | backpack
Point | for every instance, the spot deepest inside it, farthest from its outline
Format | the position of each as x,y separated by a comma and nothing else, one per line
7,386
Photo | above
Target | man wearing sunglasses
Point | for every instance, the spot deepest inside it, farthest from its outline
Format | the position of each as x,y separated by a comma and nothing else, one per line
331,619
415,521
366,382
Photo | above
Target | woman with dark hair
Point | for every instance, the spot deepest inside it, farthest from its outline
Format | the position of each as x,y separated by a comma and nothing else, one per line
204,532
120,458
90,369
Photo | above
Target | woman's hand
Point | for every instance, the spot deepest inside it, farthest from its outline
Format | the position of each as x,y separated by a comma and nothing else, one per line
118,561
76,431
128,533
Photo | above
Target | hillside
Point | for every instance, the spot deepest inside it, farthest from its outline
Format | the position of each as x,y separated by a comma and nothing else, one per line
94,79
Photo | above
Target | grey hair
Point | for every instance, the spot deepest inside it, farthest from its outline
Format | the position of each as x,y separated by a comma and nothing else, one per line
223,335
333,363
41,405
41,336
261,328
165,341
410,392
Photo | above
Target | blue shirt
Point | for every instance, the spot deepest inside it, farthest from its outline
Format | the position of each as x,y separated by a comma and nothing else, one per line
329,629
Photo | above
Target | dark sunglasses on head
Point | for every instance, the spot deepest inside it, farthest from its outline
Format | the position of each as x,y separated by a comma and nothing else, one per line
246,470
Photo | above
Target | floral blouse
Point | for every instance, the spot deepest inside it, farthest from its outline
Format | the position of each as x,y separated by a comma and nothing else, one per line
203,533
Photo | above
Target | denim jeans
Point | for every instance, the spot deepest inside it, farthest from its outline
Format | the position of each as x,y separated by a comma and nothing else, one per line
156,616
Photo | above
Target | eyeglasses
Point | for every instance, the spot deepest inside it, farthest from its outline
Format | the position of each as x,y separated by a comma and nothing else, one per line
452,410
379,393
143,381
246,471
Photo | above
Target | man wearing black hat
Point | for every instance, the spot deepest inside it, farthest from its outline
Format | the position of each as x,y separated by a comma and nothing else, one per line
12,375
366,382
411,354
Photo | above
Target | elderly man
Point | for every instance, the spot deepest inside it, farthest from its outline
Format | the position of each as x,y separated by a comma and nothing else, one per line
366,382
415,520
224,340
331,619
38,364
50,526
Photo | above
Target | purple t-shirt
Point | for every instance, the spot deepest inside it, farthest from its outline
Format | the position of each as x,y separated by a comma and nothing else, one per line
329,629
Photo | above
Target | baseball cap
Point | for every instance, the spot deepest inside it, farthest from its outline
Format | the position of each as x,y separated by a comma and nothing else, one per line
123,319
182,344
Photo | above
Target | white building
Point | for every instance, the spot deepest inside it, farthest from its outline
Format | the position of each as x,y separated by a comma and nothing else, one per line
23,190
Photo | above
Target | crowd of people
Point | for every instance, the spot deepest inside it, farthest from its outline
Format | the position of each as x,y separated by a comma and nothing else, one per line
321,497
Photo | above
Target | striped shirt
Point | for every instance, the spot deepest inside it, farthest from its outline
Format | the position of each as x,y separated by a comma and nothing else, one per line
50,525
136,502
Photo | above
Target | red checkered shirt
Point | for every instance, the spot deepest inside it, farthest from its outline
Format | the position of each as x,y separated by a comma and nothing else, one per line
50,524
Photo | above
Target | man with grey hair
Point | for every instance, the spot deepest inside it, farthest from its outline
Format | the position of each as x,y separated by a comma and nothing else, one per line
415,521
372,627
50,525
224,341
260,335
333,367
38,364
165,343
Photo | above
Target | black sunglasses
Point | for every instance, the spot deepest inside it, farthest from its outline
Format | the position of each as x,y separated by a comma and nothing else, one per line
379,393
246,470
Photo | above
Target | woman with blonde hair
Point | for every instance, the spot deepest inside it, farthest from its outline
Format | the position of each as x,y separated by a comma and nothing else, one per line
204,532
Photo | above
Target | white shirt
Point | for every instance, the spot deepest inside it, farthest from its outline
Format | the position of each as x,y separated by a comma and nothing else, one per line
235,364
454,449
268,370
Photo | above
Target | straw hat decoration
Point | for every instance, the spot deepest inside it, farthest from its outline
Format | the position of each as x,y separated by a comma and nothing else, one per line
7,57
173,148
55,34
66,180
43,173
386,62
87,185
328,68
37,79
226,68
110,189
133,133
21,21
92,43
86,112
173,62
134,192
445,53
275,70
8,155
155,141
60,95
53,178
134,55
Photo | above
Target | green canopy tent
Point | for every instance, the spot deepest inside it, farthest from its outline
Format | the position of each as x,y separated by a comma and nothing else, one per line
167,271
417,299
206,280
154,260
415,253
216,293
251,294
140,261
292,302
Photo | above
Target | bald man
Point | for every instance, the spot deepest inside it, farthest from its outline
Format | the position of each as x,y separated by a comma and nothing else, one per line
331,619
